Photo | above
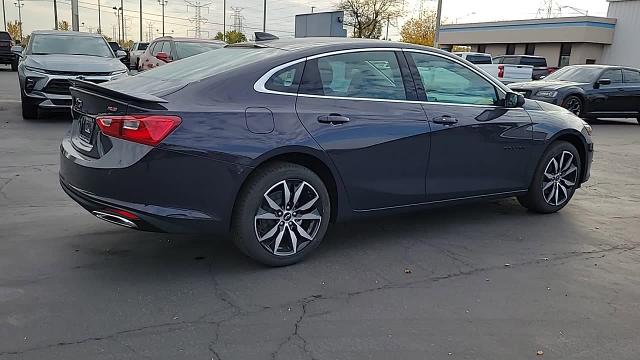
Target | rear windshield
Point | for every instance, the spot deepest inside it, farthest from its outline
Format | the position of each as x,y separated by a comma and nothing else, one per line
45,44
479,59
5,36
536,62
210,63
187,49
143,46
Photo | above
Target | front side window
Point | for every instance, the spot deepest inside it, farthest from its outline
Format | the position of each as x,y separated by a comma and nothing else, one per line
286,80
614,75
367,74
447,81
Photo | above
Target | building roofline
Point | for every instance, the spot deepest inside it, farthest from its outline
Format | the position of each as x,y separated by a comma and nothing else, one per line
586,20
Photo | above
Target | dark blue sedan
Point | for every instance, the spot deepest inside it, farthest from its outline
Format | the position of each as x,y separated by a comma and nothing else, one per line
272,141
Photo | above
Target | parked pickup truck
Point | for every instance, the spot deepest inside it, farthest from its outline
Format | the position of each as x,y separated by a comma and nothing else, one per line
507,74
539,63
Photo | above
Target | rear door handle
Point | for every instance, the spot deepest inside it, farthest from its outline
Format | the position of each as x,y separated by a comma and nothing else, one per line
445,119
333,119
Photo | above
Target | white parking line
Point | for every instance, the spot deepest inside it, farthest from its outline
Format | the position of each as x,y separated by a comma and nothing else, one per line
10,101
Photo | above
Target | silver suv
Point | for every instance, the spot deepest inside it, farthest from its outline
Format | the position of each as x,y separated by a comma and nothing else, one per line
52,58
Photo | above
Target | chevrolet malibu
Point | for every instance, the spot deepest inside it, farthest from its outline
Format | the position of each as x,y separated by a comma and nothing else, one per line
273,141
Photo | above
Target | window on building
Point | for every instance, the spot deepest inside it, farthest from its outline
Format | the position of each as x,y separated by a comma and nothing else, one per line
565,54
590,61
530,49
511,49
482,48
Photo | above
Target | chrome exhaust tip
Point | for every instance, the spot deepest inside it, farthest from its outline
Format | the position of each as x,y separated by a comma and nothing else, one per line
115,219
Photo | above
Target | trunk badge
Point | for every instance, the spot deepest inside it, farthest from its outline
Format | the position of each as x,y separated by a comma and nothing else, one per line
112,109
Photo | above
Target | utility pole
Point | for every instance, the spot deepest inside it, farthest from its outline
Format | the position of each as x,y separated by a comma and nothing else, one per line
264,16
122,10
118,16
4,15
163,3
198,19
75,16
224,20
140,20
99,20
387,36
436,42
55,14
312,8
19,4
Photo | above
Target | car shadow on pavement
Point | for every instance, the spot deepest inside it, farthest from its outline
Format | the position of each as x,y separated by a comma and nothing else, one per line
613,122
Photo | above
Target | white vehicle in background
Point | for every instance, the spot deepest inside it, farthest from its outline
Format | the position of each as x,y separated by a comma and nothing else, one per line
506,73
136,50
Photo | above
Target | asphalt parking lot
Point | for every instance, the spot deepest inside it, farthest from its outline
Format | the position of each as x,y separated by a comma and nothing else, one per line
483,281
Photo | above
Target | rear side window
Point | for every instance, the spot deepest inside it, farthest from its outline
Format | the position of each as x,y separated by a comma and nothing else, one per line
142,46
367,74
157,47
631,76
286,80
447,81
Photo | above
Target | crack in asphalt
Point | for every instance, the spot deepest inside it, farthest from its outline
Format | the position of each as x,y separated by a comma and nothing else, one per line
304,302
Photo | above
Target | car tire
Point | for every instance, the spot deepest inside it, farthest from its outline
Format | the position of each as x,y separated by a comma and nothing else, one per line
638,120
14,65
29,108
574,104
276,233
555,179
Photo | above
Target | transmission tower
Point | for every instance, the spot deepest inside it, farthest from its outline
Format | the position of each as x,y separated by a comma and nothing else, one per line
238,19
549,9
198,20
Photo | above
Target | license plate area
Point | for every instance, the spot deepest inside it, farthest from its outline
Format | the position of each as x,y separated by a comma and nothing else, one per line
86,128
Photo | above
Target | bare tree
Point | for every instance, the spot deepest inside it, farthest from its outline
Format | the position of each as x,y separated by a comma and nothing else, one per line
367,17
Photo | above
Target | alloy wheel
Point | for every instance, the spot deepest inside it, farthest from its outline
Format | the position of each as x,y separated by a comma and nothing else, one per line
560,177
574,105
288,217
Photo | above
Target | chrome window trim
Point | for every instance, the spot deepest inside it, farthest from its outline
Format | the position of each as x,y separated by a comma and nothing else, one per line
259,85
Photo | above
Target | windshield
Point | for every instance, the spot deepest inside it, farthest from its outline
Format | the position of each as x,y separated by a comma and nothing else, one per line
210,63
574,74
187,49
42,44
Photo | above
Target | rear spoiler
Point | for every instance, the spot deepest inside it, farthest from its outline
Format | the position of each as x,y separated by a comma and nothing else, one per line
132,96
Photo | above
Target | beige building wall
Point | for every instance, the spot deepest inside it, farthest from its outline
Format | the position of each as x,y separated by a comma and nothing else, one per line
581,52
520,48
549,51
625,49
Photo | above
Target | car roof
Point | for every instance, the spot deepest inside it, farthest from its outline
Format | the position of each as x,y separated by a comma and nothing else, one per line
64,33
188,39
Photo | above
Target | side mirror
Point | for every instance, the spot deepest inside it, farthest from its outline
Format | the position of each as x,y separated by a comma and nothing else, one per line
17,50
163,56
513,100
121,54
601,82
542,77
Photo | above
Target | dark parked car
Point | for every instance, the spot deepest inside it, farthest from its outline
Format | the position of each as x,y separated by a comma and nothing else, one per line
7,56
117,48
168,49
539,63
589,91
272,141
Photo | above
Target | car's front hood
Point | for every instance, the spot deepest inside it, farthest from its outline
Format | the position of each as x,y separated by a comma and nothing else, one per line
74,63
547,85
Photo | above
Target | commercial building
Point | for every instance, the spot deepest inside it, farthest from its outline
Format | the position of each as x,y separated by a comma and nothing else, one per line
562,41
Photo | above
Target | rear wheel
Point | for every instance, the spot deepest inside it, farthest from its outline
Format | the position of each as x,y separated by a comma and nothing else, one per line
29,108
555,179
574,104
14,64
282,214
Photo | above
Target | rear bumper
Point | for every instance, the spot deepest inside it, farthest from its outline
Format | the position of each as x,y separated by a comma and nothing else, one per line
168,191
7,58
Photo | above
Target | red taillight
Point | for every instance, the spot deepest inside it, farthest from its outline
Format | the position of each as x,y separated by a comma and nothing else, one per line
124,213
143,129
500,71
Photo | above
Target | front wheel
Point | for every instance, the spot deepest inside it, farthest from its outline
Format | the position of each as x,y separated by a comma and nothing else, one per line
555,179
574,104
29,108
14,65
282,214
